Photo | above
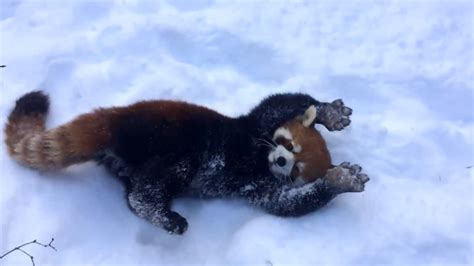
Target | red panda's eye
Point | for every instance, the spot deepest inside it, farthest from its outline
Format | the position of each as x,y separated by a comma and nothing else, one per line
290,147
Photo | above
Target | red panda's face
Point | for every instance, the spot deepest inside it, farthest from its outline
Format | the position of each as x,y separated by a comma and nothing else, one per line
300,154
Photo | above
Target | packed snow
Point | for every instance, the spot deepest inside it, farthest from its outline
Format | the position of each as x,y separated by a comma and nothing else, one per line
406,68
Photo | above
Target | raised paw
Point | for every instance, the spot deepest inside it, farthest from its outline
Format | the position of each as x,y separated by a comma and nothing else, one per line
174,223
334,116
347,178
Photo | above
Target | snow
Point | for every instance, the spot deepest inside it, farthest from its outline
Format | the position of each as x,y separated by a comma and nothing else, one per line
406,68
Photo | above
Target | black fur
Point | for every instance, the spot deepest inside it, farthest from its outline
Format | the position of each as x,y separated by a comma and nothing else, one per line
31,104
274,110
208,157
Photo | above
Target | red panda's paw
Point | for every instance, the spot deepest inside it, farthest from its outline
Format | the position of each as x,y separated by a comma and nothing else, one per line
175,223
334,116
347,178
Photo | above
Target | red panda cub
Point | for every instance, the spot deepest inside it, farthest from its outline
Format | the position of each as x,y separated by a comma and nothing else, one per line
167,149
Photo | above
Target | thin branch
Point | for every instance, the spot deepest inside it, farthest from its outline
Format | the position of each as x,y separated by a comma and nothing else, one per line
2,66
48,245
28,254
19,248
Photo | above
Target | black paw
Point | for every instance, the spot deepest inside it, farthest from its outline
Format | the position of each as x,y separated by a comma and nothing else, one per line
347,178
334,116
175,223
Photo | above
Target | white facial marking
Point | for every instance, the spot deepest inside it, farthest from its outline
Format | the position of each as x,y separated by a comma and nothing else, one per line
282,132
300,166
278,152
296,148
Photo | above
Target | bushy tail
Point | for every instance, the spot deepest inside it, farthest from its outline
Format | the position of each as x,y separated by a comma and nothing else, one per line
32,145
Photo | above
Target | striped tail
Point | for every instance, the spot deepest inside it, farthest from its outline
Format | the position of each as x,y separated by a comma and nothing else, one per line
32,145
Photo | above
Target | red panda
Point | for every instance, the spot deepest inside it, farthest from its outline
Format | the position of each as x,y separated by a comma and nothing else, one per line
164,149
301,153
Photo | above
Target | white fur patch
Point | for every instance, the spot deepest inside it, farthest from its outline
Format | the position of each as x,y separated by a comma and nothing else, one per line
309,116
282,132
299,181
300,166
277,170
296,148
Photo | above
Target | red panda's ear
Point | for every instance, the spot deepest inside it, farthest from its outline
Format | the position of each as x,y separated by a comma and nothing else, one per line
309,116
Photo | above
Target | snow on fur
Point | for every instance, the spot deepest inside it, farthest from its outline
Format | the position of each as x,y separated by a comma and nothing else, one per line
405,68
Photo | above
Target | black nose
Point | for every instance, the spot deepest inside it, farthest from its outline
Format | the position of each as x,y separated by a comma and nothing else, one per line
281,161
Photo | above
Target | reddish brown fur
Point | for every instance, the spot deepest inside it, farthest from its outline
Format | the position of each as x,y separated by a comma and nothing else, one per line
314,153
79,140
170,110
19,126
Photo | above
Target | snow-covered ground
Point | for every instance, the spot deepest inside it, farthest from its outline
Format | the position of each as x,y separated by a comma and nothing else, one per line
406,68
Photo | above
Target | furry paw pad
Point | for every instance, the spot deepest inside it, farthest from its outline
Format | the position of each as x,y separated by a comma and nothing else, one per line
335,115
347,178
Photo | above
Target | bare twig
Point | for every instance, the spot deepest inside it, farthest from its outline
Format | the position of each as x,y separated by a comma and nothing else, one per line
19,248
2,66
48,245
